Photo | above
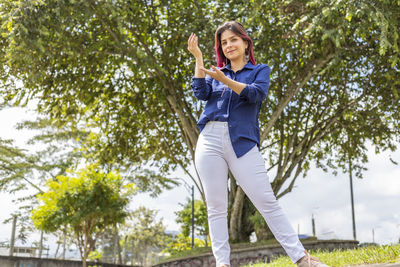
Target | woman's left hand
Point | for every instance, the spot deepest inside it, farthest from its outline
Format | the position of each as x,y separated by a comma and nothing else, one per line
216,74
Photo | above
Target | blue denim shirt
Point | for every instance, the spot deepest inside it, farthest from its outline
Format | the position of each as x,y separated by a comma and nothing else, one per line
240,111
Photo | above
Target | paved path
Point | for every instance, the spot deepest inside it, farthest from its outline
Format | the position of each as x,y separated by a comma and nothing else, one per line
379,265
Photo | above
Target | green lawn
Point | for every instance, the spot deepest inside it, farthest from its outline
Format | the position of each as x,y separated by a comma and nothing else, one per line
337,258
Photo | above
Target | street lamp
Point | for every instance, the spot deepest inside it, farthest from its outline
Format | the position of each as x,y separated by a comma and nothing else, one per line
190,189
313,222
13,235
373,233
352,198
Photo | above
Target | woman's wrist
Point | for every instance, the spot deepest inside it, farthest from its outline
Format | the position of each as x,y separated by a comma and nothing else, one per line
225,80
199,64
236,86
199,60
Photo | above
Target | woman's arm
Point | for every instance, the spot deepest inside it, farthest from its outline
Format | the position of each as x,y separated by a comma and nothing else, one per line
237,87
198,73
200,84
193,48
253,92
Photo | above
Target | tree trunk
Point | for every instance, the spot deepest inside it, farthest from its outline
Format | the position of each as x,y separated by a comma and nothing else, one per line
263,233
41,245
246,226
58,247
236,215
115,246
134,257
125,250
84,259
119,249
64,243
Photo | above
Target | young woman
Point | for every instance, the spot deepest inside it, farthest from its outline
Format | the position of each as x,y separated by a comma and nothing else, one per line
230,138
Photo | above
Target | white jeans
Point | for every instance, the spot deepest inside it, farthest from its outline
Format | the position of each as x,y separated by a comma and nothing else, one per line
214,155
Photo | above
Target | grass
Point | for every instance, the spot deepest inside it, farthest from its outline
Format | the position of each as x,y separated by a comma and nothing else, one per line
338,258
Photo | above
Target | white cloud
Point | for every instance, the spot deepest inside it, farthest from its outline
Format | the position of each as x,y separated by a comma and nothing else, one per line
376,197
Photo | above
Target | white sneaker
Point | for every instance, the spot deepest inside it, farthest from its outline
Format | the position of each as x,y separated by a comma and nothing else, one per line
308,261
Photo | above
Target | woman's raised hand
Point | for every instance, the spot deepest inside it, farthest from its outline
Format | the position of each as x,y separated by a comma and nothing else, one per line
193,46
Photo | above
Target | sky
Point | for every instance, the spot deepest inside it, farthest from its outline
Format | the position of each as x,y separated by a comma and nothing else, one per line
376,196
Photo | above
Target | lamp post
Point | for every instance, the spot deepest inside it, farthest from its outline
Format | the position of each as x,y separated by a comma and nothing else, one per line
313,221
13,235
352,200
313,225
373,233
190,189
351,187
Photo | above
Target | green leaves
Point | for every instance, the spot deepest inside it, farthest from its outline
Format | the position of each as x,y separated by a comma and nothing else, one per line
184,218
121,68
87,202
93,197
145,234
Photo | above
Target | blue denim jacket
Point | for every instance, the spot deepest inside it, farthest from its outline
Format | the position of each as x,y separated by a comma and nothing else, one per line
240,111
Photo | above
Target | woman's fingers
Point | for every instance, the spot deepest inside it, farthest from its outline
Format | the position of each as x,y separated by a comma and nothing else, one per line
192,41
217,71
216,74
191,38
193,45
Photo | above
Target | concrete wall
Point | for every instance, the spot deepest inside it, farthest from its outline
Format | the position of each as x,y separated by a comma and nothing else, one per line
6,261
256,254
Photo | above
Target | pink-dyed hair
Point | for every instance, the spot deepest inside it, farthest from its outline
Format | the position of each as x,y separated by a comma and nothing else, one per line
239,30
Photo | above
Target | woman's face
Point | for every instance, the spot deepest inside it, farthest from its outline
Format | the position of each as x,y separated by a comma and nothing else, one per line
233,46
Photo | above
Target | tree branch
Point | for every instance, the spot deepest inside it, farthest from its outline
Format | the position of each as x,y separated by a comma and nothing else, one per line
298,83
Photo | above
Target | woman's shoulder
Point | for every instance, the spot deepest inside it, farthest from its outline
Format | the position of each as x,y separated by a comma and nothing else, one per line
262,66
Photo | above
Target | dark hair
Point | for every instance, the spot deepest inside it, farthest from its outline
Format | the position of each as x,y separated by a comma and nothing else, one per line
239,30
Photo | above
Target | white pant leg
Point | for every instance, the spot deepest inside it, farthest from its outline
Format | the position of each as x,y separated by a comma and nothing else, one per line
213,171
251,174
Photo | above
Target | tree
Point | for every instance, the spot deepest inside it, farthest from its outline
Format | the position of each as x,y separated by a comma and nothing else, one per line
25,171
122,67
183,243
48,153
184,218
87,202
145,235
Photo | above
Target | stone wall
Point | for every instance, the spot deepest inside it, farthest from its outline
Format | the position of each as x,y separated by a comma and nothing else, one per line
256,254
6,261
238,256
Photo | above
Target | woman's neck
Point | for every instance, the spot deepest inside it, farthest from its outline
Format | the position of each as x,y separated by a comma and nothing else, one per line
237,65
